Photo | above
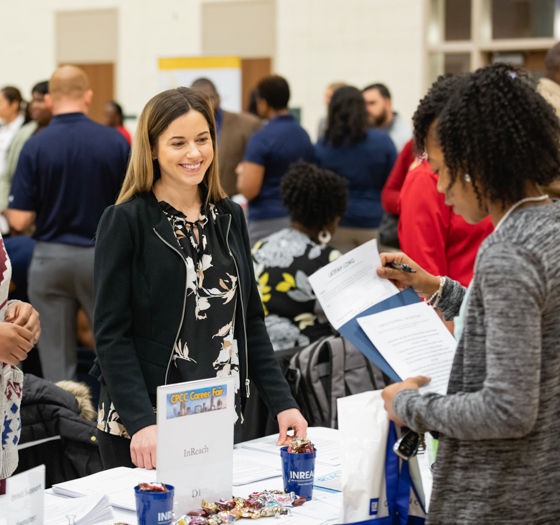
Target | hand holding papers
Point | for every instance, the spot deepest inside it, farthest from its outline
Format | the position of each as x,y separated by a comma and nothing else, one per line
401,335
350,285
414,342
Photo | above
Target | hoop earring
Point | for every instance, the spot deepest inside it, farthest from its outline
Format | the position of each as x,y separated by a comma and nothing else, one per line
324,237
467,178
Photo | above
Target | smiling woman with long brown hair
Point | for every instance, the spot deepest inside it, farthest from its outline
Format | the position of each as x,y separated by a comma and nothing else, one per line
176,297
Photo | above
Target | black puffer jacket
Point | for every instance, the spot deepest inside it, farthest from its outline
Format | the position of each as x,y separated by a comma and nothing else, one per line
48,411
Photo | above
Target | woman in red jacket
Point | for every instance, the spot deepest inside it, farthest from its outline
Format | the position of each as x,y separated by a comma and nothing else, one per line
430,232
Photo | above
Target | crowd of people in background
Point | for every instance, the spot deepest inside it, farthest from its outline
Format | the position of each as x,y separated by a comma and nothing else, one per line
366,177
390,191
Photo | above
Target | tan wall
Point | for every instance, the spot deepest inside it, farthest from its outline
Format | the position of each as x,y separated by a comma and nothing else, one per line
241,28
357,41
87,37
316,43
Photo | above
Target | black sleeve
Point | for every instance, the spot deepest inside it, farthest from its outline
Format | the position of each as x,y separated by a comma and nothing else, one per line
264,370
116,352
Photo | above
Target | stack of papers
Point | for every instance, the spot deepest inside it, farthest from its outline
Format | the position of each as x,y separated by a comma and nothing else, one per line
119,483
85,511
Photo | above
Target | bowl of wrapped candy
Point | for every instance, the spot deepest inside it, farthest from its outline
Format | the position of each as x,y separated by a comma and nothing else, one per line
298,467
154,503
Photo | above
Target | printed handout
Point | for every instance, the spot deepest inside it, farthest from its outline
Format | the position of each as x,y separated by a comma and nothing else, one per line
414,341
350,285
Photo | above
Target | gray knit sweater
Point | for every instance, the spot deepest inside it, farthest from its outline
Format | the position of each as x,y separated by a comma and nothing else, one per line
499,454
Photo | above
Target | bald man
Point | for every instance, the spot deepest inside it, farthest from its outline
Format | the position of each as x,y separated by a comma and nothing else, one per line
66,176
549,88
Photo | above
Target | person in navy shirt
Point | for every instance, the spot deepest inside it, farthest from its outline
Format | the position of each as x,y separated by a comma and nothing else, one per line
268,156
364,157
65,178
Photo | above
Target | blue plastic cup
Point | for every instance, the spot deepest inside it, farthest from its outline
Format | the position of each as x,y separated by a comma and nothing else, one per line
154,508
298,471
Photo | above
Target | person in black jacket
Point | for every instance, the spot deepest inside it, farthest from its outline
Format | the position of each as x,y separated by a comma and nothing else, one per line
175,292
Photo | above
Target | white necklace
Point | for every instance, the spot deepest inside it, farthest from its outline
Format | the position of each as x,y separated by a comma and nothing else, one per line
516,205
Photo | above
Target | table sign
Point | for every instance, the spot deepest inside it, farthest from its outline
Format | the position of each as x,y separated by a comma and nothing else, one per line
26,497
195,440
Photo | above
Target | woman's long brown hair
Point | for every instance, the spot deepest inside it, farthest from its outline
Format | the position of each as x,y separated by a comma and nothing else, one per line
156,116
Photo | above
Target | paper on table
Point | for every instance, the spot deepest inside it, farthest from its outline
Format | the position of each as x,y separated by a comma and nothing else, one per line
316,509
332,481
118,483
328,450
414,341
246,471
350,285
86,511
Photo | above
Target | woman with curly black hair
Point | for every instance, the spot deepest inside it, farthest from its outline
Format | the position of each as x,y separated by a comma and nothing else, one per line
430,232
315,199
498,459
364,157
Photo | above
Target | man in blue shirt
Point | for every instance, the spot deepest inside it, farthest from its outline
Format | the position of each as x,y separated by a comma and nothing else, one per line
66,176
268,156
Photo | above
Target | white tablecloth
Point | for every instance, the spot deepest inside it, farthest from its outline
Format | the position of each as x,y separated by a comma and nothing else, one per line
323,509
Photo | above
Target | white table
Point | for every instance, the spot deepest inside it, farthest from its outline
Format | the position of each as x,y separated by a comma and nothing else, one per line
324,505
323,509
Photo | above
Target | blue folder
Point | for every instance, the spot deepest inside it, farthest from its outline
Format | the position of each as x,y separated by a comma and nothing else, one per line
354,333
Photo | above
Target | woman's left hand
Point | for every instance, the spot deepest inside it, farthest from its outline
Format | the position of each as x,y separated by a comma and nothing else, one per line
291,418
24,315
389,393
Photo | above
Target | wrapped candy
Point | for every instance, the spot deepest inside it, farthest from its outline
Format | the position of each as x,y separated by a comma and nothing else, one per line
210,508
265,512
226,517
226,505
152,487
255,503
283,500
240,502
263,504
300,446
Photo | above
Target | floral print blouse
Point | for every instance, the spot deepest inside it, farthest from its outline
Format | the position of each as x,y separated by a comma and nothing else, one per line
283,261
205,346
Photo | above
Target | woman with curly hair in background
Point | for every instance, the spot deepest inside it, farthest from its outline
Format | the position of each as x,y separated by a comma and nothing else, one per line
315,199
364,157
498,459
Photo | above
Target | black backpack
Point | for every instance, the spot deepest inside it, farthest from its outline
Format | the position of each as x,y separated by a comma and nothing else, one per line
330,368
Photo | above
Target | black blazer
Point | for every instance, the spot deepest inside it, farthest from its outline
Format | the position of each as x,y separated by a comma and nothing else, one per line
140,283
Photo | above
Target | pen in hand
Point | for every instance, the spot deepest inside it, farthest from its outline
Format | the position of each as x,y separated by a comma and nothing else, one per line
401,266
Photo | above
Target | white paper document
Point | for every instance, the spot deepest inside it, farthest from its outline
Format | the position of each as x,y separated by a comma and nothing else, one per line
415,342
85,511
328,450
331,481
350,285
118,483
246,471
